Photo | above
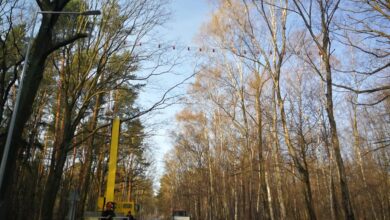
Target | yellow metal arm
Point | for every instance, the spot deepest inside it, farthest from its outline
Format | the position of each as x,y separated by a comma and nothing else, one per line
113,160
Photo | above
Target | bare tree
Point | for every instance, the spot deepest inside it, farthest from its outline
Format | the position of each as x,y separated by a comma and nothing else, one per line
327,11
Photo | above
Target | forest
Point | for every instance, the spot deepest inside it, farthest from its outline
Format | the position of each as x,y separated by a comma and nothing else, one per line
285,116
288,118
81,72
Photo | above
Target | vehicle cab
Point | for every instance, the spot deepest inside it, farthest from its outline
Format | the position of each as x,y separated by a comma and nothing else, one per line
180,215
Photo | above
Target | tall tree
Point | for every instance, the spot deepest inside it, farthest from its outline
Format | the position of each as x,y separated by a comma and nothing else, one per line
44,44
327,11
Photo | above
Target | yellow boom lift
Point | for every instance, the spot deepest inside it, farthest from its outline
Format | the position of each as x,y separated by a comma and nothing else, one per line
121,207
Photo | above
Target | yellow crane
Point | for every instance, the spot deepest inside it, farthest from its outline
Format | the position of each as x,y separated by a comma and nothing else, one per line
121,207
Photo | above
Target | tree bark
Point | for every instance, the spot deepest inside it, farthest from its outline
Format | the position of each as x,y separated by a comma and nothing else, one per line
266,197
275,155
42,47
358,155
61,148
301,168
85,173
346,200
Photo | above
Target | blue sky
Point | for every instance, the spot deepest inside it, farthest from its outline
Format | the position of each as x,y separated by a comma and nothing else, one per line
186,19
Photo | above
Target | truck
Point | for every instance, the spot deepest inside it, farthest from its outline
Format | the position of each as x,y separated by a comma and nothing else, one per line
121,207
180,215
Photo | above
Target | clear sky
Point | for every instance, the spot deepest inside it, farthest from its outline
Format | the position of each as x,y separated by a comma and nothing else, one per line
186,19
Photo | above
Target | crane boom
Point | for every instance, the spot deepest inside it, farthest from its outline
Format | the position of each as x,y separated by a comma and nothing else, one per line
113,159
121,207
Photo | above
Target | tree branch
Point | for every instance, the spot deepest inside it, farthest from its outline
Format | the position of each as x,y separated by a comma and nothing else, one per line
66,42
377,89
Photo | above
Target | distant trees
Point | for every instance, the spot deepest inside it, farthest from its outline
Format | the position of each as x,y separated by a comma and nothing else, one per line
287,118
11,43
75,84
271,127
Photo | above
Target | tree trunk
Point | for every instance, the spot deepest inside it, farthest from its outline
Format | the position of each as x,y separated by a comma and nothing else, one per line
263,183
333,197
359,158
235,194
302,169
24,111
325,54
275,153
41,49
85,173
61,147
346,200
53,183
308,194
210,179
269,196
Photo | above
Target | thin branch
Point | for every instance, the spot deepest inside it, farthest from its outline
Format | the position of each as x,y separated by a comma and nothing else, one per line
66,42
